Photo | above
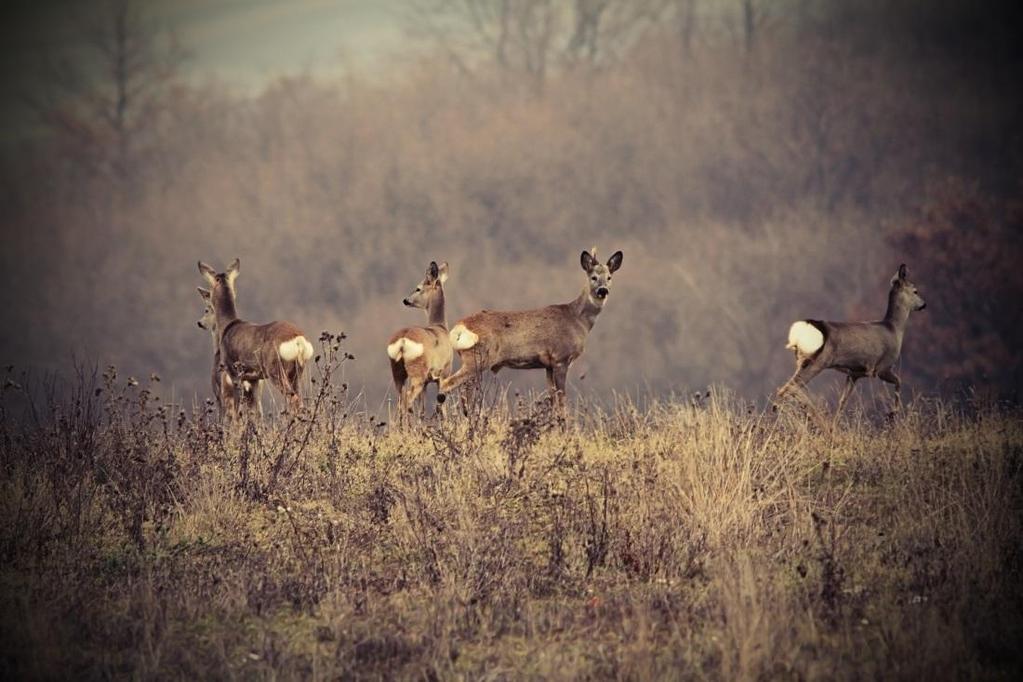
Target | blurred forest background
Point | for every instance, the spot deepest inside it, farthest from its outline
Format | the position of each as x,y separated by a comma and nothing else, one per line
758,161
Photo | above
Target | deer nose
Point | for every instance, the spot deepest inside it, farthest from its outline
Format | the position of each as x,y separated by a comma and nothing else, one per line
922,306
602,292
200,325
405,301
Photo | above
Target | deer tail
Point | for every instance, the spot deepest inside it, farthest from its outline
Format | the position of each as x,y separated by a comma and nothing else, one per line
404,348
297,350
806,337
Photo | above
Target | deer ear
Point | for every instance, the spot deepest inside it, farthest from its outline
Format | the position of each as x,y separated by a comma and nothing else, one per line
208,273
443,270
903,272
615,261
233,269
587,261
205,293
432,271
900,275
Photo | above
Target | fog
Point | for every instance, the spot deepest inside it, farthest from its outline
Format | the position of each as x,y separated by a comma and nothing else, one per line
756,162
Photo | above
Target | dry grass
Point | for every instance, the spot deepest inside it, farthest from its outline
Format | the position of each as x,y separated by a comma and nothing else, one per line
701,539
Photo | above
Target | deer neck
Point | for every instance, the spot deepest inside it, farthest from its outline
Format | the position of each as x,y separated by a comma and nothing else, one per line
897,315
586,308
224,309
435,310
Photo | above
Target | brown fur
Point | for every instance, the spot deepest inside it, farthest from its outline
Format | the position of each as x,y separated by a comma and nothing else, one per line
860,349
412,376
248,351
223,388
550,338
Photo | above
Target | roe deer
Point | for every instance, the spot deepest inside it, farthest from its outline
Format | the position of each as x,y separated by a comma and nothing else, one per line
223,387
421,355
276,351
858,349
551,337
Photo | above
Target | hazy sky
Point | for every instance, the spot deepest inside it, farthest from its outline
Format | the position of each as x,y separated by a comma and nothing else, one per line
237,39
249,40
242,43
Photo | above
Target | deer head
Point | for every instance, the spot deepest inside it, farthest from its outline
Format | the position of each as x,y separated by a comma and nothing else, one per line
427,290
904,292
599,274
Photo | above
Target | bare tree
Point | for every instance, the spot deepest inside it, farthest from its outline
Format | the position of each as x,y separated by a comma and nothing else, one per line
753,14
102,95
530,36
685,12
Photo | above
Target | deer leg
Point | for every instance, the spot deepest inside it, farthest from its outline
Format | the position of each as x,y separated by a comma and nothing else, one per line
400,407
399,376
414,390
467,372
222,394
295,371
257,398
233,397
806,370
889,376
422,401
441,397
438,408
850,384
560,378
246,401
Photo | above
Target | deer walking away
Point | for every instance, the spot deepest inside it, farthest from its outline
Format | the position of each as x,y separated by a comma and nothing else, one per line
276,352
857,349
224,391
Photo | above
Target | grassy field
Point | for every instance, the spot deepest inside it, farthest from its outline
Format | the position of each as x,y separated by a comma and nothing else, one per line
693,539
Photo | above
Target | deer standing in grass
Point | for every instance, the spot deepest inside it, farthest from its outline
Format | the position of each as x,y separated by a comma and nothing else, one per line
223,387
550,338
858,349
276,352
422,355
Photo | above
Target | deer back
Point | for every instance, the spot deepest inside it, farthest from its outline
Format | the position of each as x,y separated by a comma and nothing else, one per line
526,338
252,351
868,346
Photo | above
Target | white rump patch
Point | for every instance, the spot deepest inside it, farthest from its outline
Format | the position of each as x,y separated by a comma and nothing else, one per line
805,338
297,349
404,349
462,338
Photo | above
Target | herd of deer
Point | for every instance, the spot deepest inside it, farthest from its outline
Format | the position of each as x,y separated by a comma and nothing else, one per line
246,354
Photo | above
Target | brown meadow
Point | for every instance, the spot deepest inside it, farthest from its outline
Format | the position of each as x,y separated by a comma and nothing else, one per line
697,538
